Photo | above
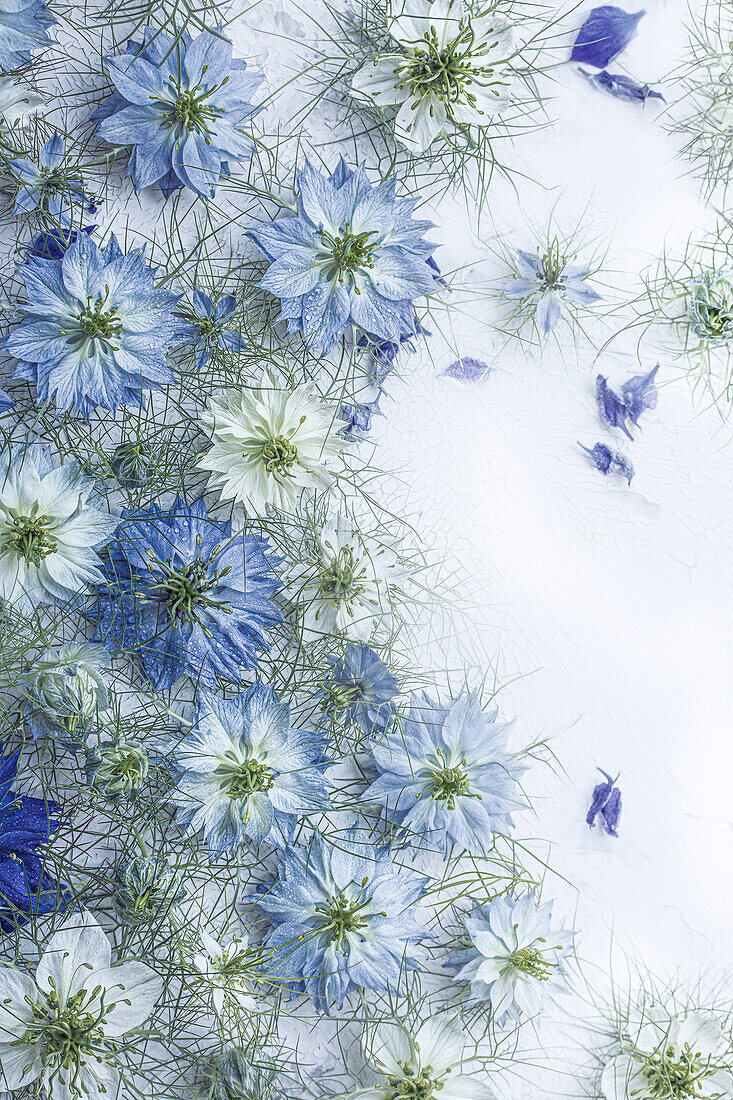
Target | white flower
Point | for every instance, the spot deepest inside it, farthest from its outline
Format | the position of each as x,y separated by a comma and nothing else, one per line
62,1029
269,444
451,69
428,1062
225,966
49,529
17,102
670,1058
346,587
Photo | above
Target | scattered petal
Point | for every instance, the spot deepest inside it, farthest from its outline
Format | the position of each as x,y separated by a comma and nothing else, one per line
640,393
611,407
469,371
606,32
622,87
608,460
606,801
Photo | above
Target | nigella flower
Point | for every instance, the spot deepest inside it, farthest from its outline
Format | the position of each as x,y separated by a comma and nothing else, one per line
606,802
228,968
341,918
445,776
66,691
608,460
605,33
346,582
186,596
353,255
183,104
516,957
96,330
117,770
449,69
360,688
711,307
211,327
270,444
50,528
667,1055
23,30
245,772
146,889
427,1060
552,284
637,395
60,1031
25,824
47,185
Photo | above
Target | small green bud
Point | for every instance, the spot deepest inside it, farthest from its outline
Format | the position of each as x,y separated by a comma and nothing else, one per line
117,769
146,890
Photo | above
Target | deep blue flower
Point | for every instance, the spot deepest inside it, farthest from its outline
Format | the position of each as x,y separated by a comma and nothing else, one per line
468,371
25,824
552,284
51,243
211,328
606,802
622,87
604,34
353,255
245,772
608,460
186,596
183,105
96,330
359,418
341,917
637,395
23,29
360,688
445,775
47,185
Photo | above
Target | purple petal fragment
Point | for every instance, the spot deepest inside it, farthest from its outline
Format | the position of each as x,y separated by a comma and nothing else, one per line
468,371
640,393
611,407
606,801
606,32
622,87
608,460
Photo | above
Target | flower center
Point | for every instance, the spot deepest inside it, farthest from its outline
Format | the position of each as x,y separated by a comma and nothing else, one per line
531,962
65,1036
339,580
278,455
414,1084
184,590
347,254
552,266
446,72
343,916
189,110
249,777
674,1075
340,695
450,783
29,539
100,323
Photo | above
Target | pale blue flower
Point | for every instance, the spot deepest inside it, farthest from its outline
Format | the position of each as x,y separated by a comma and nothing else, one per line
341,918
187,596
353,255
553,285
211,328
245,772
47,185
445,775
516,958
95,330
183,104
606,31
360,688
23,30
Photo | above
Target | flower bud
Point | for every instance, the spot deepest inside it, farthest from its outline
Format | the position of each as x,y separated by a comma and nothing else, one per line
711,307
66,691
117,769
147,888
132,464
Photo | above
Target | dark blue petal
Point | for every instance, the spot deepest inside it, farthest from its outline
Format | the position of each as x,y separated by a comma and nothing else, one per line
640,393
606,801
622,87
606,32
600,797
612,409
608,460
611,812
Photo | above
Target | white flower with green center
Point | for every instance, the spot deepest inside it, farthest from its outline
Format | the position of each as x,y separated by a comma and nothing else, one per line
671,1058
426,1062
62,1029
50,529
450,69
228,969
347,582
270,444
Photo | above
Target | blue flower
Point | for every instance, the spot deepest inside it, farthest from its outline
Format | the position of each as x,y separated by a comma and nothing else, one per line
445,776
359,418
608,460
187,596
340,917
47,185
622,87
552,283
516,956
23,29
606,802
637,395
244,772
96,330
360,688
210,327
604,34
182,104
353,256
25,823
